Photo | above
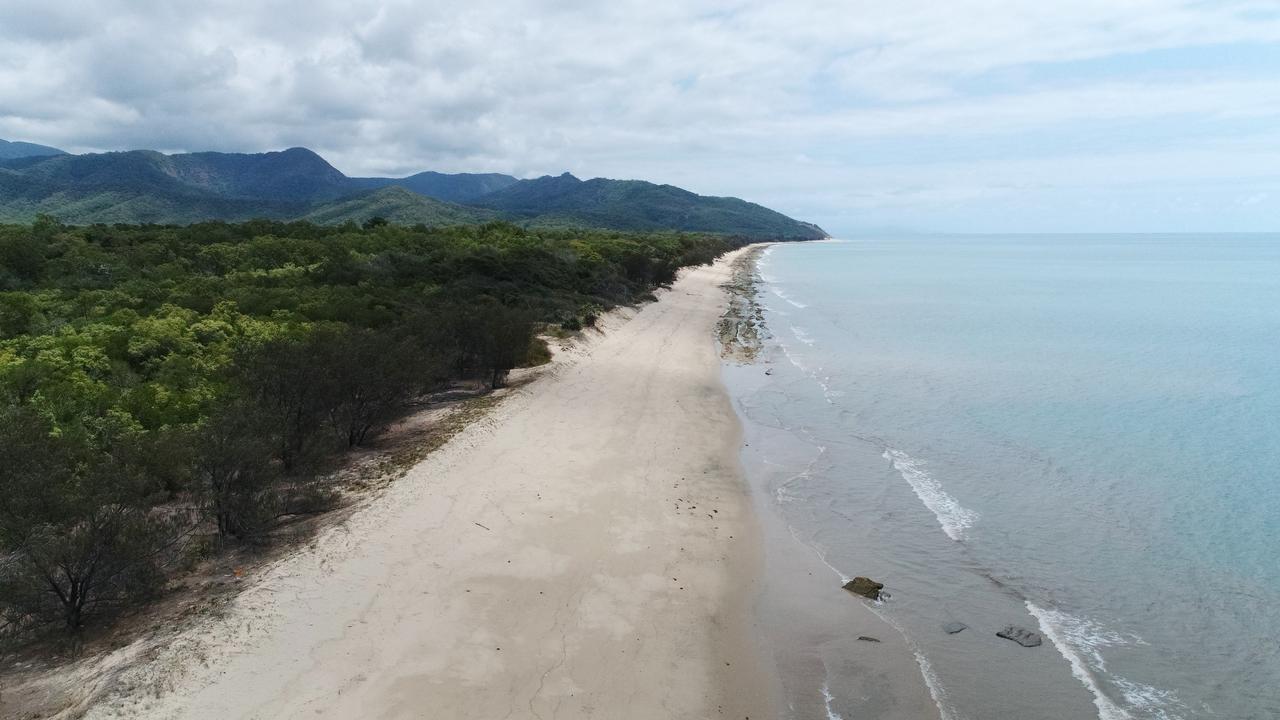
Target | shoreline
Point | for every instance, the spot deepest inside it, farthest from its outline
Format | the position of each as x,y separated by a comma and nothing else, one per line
572,553
818,633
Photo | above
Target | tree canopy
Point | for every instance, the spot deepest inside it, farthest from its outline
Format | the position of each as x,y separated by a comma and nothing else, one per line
160,381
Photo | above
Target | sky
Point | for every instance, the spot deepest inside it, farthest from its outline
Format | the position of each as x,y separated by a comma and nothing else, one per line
862,116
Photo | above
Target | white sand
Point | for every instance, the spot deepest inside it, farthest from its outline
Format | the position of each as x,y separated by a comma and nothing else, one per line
587,551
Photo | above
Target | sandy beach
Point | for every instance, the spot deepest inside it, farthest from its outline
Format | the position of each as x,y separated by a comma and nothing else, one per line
588,550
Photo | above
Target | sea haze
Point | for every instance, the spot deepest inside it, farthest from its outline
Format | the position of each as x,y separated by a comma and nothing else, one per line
1074,434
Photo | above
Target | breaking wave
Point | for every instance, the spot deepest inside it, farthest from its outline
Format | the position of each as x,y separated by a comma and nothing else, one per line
1080,642
954,518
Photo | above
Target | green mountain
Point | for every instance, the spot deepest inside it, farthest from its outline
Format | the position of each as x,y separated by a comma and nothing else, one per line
143,186
10,150
638,205
147,186
295,175
458,188
398,205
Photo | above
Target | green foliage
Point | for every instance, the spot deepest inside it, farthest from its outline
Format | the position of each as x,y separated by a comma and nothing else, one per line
397,205
164,380
454,188
636,205
77,529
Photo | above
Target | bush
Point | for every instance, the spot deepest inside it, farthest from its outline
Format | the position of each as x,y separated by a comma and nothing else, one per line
75,526
105,561
539,353
234,468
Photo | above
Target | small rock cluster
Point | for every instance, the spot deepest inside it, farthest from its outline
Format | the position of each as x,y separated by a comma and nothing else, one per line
1020,635
870,589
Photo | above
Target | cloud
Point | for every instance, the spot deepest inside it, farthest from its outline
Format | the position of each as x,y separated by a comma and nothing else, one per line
904,109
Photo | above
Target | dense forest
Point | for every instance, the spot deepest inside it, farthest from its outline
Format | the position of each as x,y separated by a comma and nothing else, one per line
165,383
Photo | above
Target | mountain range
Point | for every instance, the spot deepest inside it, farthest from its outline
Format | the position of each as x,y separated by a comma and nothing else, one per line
144,186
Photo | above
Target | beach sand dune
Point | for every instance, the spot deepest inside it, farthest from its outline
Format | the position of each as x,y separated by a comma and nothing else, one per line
588,550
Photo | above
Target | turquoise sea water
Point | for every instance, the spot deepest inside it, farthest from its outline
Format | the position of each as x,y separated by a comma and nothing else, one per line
1076,434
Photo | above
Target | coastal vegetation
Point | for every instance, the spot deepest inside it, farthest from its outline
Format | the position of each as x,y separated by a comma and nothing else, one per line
169,390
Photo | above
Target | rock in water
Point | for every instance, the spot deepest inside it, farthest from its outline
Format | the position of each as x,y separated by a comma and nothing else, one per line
1020,635
866,587
952,628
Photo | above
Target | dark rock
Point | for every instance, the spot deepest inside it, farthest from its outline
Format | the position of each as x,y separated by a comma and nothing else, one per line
868,638
866,587
952,628
1020,635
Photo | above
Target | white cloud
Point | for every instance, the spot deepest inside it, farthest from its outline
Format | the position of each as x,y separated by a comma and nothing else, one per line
719,97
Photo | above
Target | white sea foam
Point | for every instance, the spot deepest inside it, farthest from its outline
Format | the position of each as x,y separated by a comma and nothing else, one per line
827,698
824,381
783,493
935,687
1152,701
931,681
822,555
1075,644
936,691
802,335
1080,641
952,516
780,293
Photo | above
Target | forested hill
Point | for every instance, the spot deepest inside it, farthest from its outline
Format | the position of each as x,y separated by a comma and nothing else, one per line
458,188
639,205
144,186
10,150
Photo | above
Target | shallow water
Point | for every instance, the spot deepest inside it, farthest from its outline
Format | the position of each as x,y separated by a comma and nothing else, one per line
1075,434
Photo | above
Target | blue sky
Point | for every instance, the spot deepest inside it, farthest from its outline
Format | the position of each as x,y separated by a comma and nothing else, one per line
963,116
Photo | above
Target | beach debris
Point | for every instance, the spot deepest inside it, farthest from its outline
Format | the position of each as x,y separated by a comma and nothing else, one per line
1020,635
868,638
866,587
952,628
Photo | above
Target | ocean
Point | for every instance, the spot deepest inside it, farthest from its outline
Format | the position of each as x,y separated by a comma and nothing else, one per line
1075,434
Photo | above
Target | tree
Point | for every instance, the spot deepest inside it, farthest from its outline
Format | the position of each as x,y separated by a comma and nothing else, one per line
369,377
233,465
491,338
281,380
76,531
103,561
505,334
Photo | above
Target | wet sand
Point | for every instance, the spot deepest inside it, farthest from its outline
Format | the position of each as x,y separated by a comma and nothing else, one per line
812,627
